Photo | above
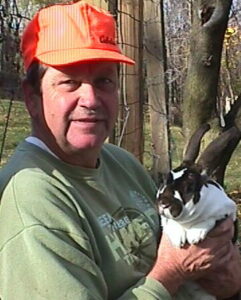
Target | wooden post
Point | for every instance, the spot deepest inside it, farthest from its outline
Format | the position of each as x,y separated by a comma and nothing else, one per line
130,22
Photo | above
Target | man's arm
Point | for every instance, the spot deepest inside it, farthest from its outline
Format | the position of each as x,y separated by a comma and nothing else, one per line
176,265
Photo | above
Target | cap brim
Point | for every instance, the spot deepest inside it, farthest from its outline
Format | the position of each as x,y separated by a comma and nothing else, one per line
71,56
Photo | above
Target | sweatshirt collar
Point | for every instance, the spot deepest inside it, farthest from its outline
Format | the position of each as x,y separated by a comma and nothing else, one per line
37,142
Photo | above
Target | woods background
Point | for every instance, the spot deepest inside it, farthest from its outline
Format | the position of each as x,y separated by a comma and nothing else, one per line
187,71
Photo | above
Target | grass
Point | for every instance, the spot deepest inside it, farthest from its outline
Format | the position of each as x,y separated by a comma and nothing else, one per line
19,127
233,172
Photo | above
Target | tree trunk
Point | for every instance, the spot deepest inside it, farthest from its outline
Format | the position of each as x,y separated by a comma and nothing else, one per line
233,118
210,19
155,52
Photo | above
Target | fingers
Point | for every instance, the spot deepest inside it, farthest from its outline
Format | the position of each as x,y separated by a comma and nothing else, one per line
224,281
222,256
202,260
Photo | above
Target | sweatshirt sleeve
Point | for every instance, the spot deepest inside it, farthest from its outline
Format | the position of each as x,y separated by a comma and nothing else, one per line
40,263
146,288
44,252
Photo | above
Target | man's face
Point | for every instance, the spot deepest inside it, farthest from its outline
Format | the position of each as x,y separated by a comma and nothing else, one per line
79,107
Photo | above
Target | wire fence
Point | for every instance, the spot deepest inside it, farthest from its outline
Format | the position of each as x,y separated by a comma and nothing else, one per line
129,128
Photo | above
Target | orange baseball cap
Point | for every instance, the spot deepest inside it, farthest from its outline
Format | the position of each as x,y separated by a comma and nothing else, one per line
62,34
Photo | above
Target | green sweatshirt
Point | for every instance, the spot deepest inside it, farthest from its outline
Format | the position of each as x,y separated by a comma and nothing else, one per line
74,233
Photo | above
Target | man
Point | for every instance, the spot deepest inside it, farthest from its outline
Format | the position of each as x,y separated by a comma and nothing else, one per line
77,216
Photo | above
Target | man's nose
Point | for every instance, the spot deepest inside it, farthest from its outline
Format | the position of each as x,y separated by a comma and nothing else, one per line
88,96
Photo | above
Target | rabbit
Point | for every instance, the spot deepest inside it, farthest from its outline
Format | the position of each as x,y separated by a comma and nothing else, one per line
190,202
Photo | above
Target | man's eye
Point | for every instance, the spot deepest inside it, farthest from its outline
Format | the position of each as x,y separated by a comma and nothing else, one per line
105,84
69,85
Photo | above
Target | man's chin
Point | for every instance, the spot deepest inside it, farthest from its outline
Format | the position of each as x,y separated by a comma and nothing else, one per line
85,144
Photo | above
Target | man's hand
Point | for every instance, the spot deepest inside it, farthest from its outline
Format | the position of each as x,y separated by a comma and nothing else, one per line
176,265
224,281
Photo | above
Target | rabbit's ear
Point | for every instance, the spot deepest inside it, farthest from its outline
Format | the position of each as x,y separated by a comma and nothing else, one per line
193,147
167,178
212,156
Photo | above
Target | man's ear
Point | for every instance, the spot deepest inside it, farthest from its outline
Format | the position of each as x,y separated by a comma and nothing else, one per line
31,98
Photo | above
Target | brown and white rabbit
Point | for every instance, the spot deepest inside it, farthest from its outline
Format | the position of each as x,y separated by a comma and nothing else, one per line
190,202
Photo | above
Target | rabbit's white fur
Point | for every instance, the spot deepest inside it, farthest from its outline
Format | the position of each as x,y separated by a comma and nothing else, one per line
196,219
